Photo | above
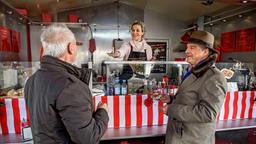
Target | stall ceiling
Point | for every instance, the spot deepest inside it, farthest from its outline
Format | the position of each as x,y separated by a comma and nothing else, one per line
186,11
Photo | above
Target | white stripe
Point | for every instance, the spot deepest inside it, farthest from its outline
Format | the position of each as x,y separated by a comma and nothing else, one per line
9,112
230,105
122,111
144,111
133,110
1,129
155,112
97,99
22,109
222,111
165,119
247,104
111,111
254,107
239,105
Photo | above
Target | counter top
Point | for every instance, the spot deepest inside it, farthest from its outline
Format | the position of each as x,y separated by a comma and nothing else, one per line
148,131
153,131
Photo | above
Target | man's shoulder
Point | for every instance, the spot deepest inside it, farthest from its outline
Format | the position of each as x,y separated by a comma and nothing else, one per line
215,73
214,70
54,77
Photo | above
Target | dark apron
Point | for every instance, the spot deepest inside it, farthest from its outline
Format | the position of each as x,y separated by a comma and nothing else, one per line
134,56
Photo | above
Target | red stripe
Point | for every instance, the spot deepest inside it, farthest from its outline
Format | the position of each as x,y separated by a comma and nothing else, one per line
150,112
243,104
104,99
3,118
160,114
127,111
16,115
251,104
218,116
235,103
226,106
116,111
27,113
139,110
94,103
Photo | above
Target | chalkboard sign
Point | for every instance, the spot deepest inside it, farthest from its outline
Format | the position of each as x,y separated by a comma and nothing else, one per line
159,49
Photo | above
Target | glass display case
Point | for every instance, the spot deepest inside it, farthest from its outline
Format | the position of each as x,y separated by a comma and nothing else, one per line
139,77
243,75
13,76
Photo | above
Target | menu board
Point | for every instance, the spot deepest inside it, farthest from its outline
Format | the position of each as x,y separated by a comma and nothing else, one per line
159,49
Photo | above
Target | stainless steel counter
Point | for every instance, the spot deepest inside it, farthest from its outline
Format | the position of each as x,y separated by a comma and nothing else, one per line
148,131
153,131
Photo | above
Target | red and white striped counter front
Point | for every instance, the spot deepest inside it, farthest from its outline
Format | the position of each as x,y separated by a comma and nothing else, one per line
238,105
131,110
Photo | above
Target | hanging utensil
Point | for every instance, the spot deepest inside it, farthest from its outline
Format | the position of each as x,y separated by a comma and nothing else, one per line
118,25
116,43
92,44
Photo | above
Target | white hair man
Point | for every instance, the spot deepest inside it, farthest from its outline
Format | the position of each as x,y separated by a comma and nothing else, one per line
59,101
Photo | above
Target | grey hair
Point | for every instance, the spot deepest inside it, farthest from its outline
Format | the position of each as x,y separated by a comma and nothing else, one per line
55,39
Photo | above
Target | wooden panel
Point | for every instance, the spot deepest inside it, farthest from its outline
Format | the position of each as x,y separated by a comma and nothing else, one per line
15,38
5,39
22,11
46,17
228,42
245,40
72,18
255,39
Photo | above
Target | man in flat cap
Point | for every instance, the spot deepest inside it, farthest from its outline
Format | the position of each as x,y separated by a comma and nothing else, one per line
192,114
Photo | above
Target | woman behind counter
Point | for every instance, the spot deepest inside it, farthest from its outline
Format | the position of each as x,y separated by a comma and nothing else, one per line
136,49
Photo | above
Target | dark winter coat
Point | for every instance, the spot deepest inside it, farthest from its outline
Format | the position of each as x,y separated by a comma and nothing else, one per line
60,105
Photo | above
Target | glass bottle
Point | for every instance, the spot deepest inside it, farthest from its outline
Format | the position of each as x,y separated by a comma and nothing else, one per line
117,87
124,88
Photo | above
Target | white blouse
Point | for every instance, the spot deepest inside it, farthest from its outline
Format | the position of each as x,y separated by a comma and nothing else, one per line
125,49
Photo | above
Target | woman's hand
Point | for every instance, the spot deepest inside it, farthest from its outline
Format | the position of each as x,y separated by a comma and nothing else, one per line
153,58
114,54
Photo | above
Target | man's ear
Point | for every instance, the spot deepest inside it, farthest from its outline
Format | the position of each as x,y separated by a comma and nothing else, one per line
207,51
71,48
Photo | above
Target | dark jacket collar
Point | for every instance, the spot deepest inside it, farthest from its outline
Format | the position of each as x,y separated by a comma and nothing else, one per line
51,63
204,65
